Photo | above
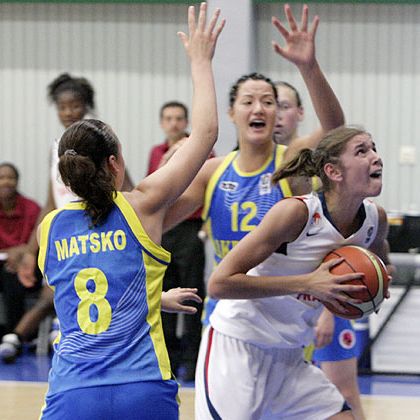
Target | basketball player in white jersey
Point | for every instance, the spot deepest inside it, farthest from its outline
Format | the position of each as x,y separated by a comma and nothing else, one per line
272,284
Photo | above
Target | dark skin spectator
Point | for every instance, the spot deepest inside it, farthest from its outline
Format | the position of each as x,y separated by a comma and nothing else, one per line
18,215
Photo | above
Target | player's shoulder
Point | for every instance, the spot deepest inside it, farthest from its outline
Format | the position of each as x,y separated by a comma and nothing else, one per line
296,207
210,166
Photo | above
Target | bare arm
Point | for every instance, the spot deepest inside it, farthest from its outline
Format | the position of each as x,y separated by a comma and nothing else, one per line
324,330
193,198
165,185
300,50
282,224
380,245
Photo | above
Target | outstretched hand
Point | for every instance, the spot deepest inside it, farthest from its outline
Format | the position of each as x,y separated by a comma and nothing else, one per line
174,300
201,41
332,288
300,42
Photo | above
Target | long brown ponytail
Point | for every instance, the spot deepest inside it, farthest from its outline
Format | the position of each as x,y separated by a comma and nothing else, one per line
83,151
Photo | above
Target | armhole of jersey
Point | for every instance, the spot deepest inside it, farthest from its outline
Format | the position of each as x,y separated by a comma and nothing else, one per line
213,181
370,206
43,239
136,227
284,184
311,207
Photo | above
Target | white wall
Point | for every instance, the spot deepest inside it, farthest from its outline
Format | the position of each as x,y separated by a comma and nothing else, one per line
370,55
132,55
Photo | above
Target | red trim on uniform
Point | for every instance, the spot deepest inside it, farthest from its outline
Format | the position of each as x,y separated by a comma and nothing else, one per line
206,362
298,197
212,409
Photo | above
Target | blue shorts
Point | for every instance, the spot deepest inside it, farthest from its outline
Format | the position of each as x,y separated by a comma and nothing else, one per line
343,345
153,400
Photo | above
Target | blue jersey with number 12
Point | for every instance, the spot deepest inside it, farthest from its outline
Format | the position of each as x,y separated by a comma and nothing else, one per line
236,202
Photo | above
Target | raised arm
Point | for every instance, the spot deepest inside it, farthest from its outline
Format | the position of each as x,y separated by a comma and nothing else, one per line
165,185
193,198
300,50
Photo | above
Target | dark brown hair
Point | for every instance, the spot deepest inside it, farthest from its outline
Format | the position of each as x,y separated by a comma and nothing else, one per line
80,86
83,151
173,104
233,93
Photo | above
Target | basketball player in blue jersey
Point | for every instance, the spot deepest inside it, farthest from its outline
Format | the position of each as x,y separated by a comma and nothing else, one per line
272,283
103,259
236,190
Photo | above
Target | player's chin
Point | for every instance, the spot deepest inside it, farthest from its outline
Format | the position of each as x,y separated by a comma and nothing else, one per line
278,138
375,187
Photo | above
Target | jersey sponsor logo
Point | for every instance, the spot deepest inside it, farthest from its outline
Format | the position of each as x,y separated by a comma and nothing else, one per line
264,184
306,298
369,234
315,222
228,186
347,339
316,219
95,242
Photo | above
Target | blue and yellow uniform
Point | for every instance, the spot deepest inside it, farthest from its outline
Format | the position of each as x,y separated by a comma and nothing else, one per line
236,201
107,282
343,344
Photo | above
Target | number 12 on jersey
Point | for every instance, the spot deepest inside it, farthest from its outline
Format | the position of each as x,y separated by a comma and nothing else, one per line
248,210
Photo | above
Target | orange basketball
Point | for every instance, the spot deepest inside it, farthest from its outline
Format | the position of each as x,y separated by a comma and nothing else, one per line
360,260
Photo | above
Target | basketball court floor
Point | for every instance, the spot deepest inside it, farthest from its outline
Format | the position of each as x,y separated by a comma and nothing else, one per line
23,386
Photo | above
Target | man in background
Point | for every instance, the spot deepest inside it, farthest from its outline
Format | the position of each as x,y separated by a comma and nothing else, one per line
188,257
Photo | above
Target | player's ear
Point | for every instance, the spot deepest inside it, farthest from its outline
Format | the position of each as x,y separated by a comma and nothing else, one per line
301,113
333,172
230,113
113,164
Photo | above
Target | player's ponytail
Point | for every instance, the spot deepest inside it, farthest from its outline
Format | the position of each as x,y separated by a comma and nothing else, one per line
84,150
301,165
311,163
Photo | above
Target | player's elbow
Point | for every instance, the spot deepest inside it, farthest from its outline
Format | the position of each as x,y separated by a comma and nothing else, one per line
217,287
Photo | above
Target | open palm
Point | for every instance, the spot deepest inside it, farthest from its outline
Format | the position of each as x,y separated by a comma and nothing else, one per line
300,42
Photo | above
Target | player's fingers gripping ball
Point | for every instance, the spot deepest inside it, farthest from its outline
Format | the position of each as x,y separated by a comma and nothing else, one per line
376,279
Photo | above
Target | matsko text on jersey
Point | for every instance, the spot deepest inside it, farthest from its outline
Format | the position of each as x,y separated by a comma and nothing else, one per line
95,242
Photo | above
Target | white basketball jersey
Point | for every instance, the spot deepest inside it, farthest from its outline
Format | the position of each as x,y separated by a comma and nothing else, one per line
288,321
62,195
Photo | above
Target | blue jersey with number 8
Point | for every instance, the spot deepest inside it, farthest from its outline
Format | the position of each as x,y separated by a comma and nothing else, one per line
107,283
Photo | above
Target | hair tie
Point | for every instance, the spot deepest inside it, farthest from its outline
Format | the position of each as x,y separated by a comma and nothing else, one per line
70,152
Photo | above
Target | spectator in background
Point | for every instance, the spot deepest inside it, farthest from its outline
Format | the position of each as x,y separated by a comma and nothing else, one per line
18,215
188,259
74,100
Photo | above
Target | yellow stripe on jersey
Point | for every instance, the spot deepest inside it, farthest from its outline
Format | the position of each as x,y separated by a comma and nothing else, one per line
154,279
284,184
137,228
213,181
316,183
256,172
44,229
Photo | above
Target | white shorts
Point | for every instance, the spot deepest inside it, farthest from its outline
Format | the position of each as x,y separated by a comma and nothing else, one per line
236,380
